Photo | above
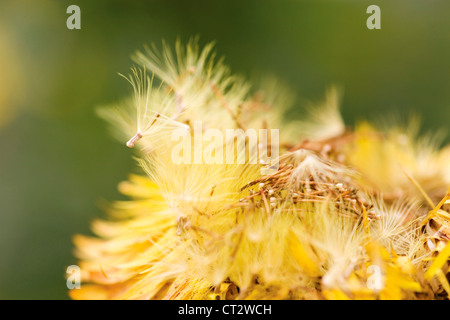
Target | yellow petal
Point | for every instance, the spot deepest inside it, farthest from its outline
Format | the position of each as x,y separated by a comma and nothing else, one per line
302,257
438,263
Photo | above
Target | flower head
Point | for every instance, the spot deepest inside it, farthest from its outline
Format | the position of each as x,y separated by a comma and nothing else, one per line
340,204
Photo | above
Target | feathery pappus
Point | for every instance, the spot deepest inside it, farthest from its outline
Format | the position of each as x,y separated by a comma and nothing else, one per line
346,213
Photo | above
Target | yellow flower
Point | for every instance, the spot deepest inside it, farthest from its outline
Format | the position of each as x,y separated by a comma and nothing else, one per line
339,215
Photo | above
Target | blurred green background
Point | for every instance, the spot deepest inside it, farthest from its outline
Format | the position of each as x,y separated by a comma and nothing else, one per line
57,159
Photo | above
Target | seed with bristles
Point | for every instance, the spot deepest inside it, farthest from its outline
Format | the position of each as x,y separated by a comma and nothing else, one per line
134,139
